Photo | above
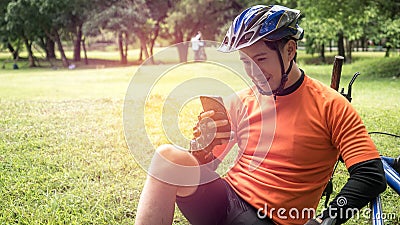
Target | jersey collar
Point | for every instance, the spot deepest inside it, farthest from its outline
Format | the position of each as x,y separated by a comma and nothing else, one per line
294,87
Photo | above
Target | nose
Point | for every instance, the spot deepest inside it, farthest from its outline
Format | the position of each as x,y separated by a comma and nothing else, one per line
255,69
256,74
251,69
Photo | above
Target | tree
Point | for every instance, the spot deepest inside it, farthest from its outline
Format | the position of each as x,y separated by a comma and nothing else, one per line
318,33
21,18
52,21
48,45
75,15
388,19
189,16
376,20
122,17
9,40
158,12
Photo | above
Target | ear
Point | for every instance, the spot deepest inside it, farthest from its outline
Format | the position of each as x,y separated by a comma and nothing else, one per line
291,49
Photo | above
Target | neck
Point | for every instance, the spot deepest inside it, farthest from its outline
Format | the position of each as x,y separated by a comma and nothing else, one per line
294,75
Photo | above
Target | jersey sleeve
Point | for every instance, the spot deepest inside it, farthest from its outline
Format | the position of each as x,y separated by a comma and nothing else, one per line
349,134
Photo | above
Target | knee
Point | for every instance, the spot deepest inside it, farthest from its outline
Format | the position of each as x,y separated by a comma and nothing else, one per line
174,166
176,156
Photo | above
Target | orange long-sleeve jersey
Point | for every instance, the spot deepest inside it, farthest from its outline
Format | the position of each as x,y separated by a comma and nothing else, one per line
288,148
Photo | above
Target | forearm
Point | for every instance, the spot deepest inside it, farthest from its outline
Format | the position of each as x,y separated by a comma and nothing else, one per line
367,180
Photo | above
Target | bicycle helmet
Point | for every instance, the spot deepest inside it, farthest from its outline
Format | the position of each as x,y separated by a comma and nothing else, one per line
269,23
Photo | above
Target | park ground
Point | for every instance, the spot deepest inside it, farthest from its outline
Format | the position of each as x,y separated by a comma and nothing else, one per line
63,154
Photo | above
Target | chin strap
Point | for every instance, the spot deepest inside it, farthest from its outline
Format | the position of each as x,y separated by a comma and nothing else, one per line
285,75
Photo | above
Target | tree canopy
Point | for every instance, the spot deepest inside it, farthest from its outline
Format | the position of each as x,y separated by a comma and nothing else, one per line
47,23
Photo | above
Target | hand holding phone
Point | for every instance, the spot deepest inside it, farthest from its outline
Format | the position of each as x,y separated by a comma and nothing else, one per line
213,127
216,104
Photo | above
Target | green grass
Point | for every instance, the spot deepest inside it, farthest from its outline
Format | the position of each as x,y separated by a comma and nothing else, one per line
65,162
63,156
65,84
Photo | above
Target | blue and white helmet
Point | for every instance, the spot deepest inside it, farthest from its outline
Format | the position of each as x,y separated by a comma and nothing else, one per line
271,23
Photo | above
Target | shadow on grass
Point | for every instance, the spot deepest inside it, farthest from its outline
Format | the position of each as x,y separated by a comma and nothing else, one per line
57,64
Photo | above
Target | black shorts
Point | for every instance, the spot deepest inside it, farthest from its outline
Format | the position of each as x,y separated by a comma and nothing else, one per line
216,203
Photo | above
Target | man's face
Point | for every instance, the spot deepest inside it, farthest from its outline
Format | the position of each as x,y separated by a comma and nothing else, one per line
262,65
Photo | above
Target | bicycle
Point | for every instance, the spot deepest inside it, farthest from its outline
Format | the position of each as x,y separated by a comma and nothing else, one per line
392,173
391,165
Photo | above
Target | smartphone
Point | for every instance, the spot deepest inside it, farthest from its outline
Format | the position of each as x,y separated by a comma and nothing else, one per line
210,102
216,104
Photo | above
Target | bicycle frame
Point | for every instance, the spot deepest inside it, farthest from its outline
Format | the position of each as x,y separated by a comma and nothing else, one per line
393,180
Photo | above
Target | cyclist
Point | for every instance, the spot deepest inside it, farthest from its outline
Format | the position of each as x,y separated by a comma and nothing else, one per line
314,127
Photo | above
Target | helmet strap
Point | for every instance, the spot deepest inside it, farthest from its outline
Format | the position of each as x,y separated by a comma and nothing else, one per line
285,75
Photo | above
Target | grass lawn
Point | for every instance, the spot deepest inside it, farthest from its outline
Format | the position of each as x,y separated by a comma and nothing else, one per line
63,155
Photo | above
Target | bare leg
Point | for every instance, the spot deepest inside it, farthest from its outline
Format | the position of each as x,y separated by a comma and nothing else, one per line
156,204
157,201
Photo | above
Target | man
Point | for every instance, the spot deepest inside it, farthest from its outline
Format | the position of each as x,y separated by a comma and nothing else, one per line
314,127
197,47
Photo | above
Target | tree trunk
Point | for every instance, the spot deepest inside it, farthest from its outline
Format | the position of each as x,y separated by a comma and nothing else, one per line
182,47
363,41
122,45
183,52
388,47
14,52
126,46
143,47
84,50
77,44
61,49
10,48
341,50
50,49
145,51
153,39
349,50
141,54
357,45
387,53
322,53
31,58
